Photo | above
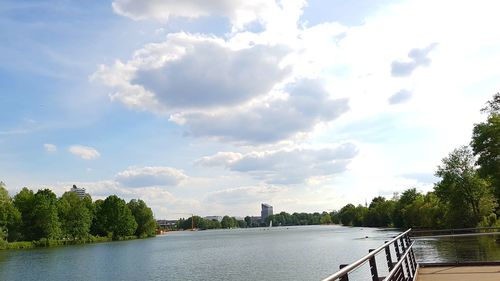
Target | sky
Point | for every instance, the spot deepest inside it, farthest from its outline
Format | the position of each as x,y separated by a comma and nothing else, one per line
213,107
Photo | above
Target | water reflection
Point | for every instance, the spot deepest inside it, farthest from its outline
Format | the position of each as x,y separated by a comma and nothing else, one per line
458,249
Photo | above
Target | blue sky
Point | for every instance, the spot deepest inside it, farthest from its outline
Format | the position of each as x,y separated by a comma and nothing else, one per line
215,107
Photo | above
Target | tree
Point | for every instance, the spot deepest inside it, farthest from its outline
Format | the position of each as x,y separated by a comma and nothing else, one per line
46,220
335,217
486,144
116,217
74,215
10,217
248,221
325,218
405,208
467,196
360,213
98,226
24,201
228,222
347,214
379,212
146,224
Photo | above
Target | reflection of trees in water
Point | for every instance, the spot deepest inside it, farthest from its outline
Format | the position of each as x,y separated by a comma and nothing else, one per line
452,249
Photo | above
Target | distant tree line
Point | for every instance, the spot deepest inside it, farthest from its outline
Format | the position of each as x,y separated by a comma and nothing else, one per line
203,223
467,194
30,216
286,219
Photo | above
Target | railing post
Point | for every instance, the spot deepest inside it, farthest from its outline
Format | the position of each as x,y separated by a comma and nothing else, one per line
396,247
411,255
398,254
346,276
390,265
403,247
407,266
373,266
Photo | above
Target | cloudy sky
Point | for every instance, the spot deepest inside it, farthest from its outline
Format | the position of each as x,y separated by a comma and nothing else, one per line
212,107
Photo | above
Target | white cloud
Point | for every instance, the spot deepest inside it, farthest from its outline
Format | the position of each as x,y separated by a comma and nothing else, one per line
286,166
85,152
211,87
150,176
50,147
193,71
307,104
209,74
401,96
417,57
239,12
244,195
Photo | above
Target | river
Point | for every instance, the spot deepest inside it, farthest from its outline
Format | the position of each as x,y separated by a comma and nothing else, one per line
279,253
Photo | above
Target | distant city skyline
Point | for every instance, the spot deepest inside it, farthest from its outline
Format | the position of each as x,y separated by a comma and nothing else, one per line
214,107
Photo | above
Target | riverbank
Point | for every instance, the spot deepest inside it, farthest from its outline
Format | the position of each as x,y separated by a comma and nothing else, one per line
46,243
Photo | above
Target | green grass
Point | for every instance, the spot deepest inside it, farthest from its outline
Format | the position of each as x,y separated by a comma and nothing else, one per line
44,242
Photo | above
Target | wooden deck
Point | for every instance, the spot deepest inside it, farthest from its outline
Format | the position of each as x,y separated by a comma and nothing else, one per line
459,273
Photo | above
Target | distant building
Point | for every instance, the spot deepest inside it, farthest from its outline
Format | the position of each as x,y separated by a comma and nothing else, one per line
79,191
213,218
166,223
267,210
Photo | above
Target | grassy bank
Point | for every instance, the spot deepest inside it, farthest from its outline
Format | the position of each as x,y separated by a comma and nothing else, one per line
44,243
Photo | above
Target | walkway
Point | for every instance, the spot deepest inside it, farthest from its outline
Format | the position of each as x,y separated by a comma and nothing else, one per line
459,273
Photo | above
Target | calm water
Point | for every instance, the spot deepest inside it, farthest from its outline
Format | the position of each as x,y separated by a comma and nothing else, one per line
458,249
281,253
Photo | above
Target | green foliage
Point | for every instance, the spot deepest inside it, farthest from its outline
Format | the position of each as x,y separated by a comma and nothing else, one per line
325,218
24,202
486,144
146,224
10,218
46,220
379,212
228,222
43,220
98,225
347,214
248,221
117,218
74,215
466,195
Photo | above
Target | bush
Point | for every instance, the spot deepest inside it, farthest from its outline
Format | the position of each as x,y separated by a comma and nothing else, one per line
20,245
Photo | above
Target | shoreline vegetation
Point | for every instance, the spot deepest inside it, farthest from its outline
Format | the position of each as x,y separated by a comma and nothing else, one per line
33,220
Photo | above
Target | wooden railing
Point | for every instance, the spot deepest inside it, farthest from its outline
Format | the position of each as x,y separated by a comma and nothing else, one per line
403,269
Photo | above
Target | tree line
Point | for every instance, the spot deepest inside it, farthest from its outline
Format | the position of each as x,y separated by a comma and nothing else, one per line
466,195
203,223
30,216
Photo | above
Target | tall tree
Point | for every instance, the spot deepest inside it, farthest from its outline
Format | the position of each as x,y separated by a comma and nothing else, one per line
146,224
228,222
347,214
74,215
486,144
24,201
405,208
467,196
46,220
98,225
117,217
379,212
10,218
